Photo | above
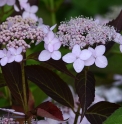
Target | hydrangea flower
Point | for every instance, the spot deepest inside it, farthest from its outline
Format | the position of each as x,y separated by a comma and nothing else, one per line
30,12
15,55
8,2
97,57
77,57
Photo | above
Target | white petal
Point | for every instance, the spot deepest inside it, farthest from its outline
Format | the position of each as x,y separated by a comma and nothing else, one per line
33,16
69,58
57,45
1,54
33,9
56,55
100,50
51,28
18,58
3,2
12,50
11,59
4,61
25,14
42,122
18,113
50,47
50,35
117,37
55,40
101,62
10,2
78,65
89,61
44,55
85,54
92,50
76,50
120,47
40,21
19,50
16,8
27,8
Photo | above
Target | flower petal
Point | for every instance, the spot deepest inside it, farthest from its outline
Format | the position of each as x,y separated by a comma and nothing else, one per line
18,58
100,50
33,9
11,59
69,58
56,55
101,62
92,50
50,47
51,28
89,61
33,16
55,40
4,61
3,2
16,8
19,50
76,50
57,45
78,65
10,2
42,122
12,50
85,54
50,36
44,55
1,54
25,14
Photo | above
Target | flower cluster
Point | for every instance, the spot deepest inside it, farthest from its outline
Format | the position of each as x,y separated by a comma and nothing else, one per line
84,32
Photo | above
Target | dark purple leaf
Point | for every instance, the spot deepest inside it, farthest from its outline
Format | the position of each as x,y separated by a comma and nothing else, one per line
100,111
13,77
51,84
85,88
49,110
58,64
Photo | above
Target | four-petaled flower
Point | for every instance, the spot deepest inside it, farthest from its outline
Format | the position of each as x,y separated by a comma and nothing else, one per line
77,57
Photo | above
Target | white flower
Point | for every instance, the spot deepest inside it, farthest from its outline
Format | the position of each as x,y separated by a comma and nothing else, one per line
8,2
4,55
97,57
30,12
15,54
77,57
48,121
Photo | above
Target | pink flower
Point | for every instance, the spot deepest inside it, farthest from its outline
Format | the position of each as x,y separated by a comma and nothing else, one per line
30,12
77,57
8,2
4,55
15,55
97,57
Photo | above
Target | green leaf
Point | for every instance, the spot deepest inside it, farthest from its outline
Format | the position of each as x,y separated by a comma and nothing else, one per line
2,80
51,84
13,77
100,111
115,118
85,88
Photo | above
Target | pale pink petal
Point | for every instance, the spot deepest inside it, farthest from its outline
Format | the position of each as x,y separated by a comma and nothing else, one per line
120,47
33,16
46,46
10,2
85,54
57,45
3,2
33,9
50,47
50,35
54,40
76,50
78,65
92,50
40,21
56,55
11,59
18,58
8,54
25,14
46,40
1,54
12,50
19,113
42,122
117,37
4,51
4,61
44,55
100,50
89,61
16,8
101,62
51,28
19,50
69,58
23,1
27,8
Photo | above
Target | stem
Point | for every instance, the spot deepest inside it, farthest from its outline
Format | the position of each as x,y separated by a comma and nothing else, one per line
24,88
53,16
77,115
8,95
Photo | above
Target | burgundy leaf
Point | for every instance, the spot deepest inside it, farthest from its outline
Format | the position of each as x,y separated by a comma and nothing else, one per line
49,110
85,88
58,64
13,77
100,111
51,84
